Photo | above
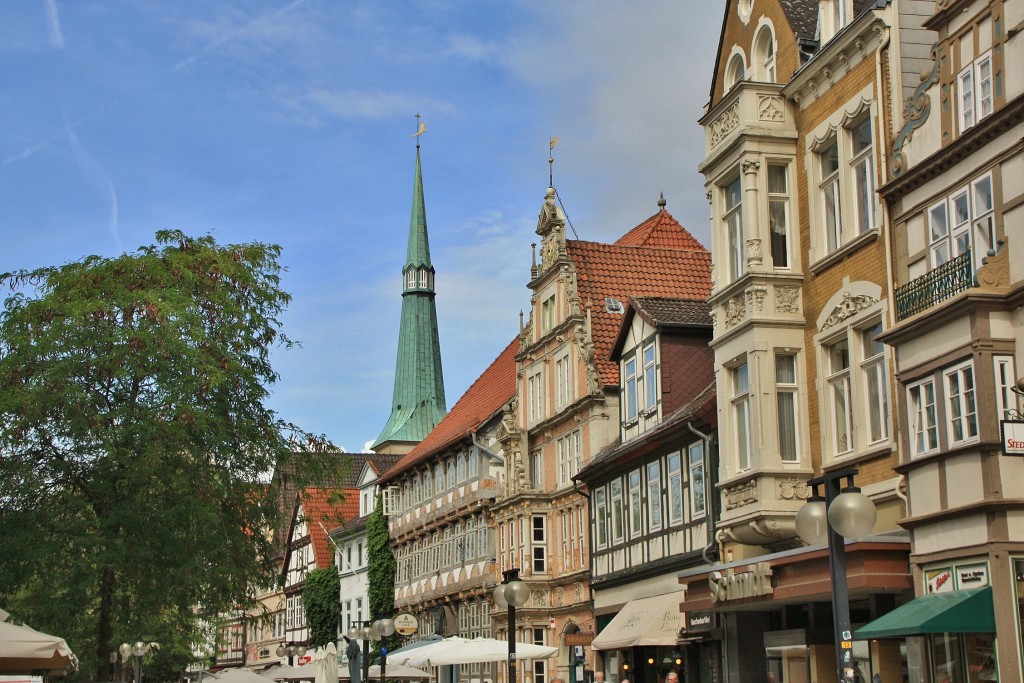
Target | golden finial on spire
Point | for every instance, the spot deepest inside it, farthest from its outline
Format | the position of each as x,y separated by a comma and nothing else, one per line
551,160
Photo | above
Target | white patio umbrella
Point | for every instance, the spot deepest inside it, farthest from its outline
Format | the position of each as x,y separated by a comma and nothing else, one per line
24,650
303,672
398,672
239,675
456,650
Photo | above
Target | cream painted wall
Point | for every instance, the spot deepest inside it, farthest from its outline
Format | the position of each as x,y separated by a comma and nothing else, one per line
963,480
934,343
962,532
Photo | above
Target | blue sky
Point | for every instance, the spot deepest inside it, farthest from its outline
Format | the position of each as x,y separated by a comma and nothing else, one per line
290,122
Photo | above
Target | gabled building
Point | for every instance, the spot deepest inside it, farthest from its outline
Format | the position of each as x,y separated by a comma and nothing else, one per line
804,100
566,409
350,543
440,519
651,515
955,194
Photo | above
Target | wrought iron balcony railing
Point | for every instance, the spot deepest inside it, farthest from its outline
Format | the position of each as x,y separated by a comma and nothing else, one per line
934,287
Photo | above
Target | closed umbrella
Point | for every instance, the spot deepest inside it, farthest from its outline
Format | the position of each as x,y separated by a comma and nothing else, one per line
325,660
24,650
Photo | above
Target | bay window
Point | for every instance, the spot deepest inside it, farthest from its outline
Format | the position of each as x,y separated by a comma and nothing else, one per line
741,415
778,214
733,218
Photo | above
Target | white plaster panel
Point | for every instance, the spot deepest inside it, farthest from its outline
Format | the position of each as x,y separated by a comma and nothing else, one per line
934,343
962,532
1015,525
1014,51
1011,470
926,139
1002,325
924,490
963,479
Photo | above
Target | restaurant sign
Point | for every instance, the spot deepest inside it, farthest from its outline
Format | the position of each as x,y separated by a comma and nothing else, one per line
732,585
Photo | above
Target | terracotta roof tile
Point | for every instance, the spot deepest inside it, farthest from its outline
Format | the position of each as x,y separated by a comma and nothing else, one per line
620,272
660,231
493,389
672,311
322,514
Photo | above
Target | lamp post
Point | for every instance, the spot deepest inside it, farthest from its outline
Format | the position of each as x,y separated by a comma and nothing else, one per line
290,650
842,513
511,593
384,627
367,633
138,650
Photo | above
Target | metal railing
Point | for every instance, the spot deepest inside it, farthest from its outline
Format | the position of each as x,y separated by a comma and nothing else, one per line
934,287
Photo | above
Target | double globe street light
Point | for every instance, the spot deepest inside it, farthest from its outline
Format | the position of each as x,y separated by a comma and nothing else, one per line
138,650
511,593
843,512
290,650
382,628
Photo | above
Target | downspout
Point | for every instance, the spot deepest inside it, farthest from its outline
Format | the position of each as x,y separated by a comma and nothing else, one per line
485,449
711,550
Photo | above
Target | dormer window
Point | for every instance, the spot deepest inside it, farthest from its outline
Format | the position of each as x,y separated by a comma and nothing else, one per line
423,278
764,54
640,388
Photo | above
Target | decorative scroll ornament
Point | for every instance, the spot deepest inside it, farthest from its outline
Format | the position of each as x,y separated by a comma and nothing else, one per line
739,496
755,299
915,112
787,299
849,306
793,489
735,311
770,108
725,123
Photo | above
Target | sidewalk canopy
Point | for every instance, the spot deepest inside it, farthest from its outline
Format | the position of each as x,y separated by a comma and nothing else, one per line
967,611
650,621
24,650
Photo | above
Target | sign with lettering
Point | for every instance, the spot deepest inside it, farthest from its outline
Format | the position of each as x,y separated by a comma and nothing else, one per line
699,622
1013,437
578,639
939,580
406,624
972,575
732,585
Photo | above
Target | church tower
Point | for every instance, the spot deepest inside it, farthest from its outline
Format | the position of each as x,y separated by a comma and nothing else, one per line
418,402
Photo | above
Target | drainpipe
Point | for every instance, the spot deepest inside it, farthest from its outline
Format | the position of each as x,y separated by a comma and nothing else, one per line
711,481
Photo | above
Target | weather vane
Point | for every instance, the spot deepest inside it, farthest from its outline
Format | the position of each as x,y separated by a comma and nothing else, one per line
421,128
551,160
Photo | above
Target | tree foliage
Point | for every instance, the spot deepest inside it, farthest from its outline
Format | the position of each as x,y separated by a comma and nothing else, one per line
321,604
380,568
135,446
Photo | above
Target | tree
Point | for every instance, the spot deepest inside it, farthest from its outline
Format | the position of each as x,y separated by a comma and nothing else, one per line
320,601
380,569
136,451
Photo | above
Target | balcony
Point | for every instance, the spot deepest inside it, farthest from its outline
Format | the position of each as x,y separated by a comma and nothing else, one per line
935,286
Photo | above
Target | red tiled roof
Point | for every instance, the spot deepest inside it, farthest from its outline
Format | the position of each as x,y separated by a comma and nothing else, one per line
493,389
660,231
321,514
620,272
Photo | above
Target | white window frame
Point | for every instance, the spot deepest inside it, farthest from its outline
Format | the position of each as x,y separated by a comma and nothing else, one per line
697,460
1007,400
923,417
649,360
964,219
862,175
840,412
635,518
631,402
778,198
960,393
732,220
764,50
975,88
535,395
655,502
674,488
787,390
831,206
539,544
740,375
618,510
563,381
601,517
874,377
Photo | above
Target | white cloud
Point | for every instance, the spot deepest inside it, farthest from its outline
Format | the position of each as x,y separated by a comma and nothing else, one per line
53,24
98,177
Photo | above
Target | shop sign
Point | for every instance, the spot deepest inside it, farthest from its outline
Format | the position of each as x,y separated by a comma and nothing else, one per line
1013,437
406,624
972,576
699,622
733,586
574,639
940,580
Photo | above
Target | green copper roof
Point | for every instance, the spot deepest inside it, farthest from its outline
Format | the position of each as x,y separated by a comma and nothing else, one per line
418,402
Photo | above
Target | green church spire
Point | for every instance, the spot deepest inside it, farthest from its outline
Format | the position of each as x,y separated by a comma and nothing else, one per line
418,403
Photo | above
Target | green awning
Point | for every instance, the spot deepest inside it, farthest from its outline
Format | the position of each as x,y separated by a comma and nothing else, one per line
967,611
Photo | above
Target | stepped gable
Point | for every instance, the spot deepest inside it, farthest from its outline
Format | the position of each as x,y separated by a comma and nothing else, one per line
648,265
321,514
495,387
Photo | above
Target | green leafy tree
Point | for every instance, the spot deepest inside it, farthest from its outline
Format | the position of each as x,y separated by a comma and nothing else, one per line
320,600
380,569
136,451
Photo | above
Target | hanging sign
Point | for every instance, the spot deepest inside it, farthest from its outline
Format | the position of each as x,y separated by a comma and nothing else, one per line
1013,437
406,624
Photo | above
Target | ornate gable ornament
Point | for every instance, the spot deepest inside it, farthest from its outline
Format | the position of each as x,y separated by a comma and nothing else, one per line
915,112
551,228
851,305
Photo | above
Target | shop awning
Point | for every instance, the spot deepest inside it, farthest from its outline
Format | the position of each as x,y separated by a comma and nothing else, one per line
967,611
650,621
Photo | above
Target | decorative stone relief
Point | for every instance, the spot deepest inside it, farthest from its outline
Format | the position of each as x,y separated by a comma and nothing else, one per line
559,596
849,306
770,108
539,598
995,270
587,356
787,299
579,592
574,295
743,494
755,299
751,167
915,113
754,255
735,311
725,123
792,488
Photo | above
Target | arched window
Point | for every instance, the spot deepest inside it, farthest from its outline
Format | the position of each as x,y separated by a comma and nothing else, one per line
423,278
440,485
764,54
451,473
736,70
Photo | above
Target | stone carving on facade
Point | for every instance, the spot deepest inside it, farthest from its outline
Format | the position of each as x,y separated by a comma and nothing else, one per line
994,272
539,598
915,112
574,295
735,311
755,299
791,488
751,167
740,495
770,108
707,195
587,355
849,306
754,255
579,591
787,299
726,123
559,596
